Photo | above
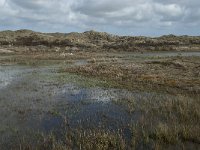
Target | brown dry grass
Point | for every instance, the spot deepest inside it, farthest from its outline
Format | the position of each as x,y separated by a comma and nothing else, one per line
150,75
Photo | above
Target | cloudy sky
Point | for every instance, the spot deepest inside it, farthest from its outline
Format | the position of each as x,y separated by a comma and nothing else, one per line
124,17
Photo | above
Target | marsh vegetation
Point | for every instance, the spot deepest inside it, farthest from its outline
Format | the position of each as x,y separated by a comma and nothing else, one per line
100,101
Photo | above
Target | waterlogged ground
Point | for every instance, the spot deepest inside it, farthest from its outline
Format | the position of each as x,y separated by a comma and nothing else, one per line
40,107
36,99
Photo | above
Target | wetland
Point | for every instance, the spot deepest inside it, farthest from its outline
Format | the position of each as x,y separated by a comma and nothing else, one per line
124,100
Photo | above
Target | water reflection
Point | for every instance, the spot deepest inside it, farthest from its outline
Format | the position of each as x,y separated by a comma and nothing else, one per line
6,76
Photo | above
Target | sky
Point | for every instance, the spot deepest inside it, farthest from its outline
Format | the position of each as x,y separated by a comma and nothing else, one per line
121,17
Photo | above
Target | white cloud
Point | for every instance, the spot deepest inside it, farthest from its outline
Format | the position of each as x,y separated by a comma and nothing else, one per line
99,14
173,10
2,2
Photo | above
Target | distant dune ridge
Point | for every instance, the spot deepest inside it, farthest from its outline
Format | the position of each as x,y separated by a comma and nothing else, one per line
95,41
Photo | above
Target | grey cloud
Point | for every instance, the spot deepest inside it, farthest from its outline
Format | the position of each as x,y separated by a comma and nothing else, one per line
27,4
109,15
131,11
